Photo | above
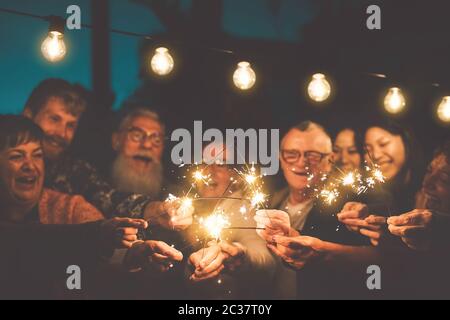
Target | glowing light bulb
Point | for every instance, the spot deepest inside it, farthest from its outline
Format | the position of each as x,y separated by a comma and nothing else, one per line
53,47
394,102
319,88
162,62
443,110
244,77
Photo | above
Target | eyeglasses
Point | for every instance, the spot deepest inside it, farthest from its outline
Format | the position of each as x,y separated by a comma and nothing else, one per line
140,136
312,157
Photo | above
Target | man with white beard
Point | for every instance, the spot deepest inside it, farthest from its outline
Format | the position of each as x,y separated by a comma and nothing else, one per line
139,143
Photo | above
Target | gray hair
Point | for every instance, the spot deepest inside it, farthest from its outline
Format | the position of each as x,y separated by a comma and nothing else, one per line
139,112
306,126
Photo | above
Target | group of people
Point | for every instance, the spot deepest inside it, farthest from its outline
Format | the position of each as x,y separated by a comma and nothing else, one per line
133,241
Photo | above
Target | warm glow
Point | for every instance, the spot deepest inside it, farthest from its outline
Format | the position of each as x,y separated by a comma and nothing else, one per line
348,179
162,62
329,196
53,47
394,102
319,88
258,199
244,77
443,111
214,224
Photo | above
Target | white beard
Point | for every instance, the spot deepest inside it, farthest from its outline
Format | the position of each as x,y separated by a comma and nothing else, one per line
127,180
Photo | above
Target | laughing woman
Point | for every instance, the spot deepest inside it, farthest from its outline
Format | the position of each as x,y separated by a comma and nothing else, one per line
25,203
22,196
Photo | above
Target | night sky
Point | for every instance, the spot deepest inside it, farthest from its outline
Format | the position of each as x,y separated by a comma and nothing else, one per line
285,40
21,60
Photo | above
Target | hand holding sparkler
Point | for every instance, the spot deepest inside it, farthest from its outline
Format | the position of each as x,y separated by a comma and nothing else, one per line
297,251
209,262
121,232
415,228
155,254
356,217
353,215
172,214
273,222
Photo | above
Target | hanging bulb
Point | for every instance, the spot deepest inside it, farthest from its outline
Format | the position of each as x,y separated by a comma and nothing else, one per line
244,77
319,88
162,62
443,110
53,47
394,102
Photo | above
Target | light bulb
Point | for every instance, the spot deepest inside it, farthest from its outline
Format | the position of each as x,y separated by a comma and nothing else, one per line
319,88
53,47
244,77
394,102
443,110
162,62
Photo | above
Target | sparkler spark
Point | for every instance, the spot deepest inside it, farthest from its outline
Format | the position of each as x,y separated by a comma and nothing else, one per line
377,174
250,178
200,177
329,196
258,199
349,179
329,188
171,198
186,203
214,224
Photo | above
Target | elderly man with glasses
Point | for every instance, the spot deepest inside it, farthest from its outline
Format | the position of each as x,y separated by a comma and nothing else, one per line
297,214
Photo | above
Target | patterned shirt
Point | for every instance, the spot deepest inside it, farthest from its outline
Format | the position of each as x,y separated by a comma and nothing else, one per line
75,176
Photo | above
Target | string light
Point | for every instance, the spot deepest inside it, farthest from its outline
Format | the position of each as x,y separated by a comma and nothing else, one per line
394,102
53,47
162,62
443,110
244,77
319,88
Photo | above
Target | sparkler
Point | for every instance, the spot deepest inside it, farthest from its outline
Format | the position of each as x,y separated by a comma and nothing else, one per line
330,190
329,196
214,224
200,177
251,178
258,198
218,220
349,179
377,175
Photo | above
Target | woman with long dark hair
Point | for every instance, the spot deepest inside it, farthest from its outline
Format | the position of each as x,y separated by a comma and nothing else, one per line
397,153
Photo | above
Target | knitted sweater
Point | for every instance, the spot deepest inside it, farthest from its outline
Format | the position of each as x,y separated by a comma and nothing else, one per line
60,208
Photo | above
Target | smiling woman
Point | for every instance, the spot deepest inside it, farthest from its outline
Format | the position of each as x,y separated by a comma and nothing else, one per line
399,156
22,196
21,163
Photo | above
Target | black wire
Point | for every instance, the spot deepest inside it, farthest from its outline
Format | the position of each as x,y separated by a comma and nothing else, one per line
147,37
111,30
24,14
